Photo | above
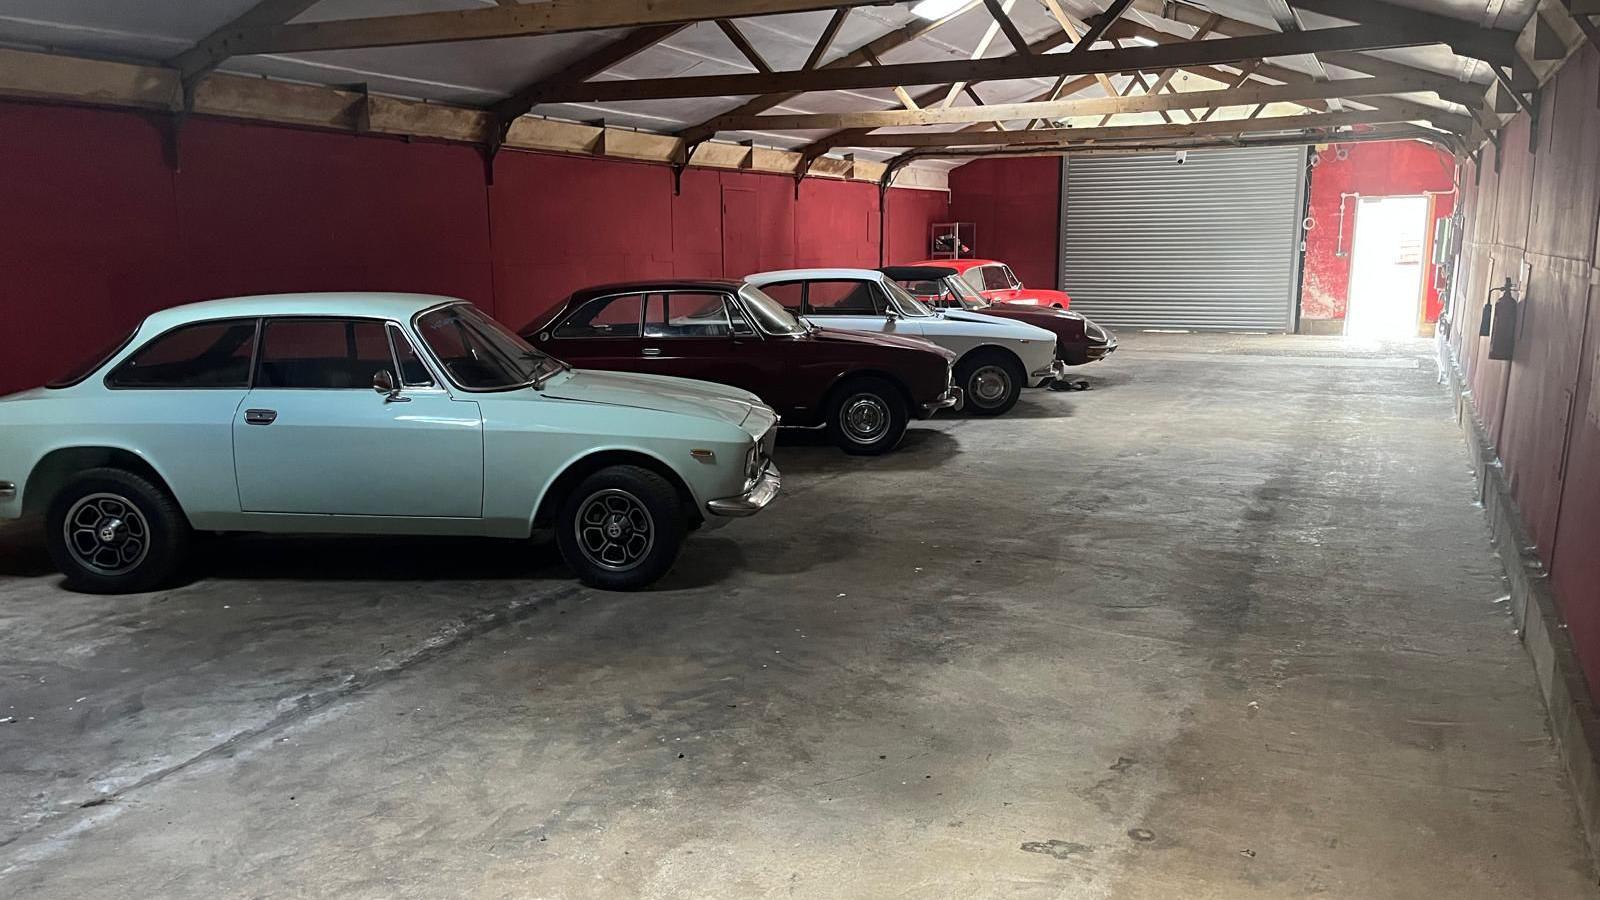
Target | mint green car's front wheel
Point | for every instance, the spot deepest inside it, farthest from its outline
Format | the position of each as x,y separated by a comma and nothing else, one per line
621,528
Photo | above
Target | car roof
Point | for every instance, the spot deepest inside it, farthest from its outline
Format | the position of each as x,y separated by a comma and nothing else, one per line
801,274
960,265
360,304
658,284
919,273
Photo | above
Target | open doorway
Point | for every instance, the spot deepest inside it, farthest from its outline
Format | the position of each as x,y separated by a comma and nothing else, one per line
1386,267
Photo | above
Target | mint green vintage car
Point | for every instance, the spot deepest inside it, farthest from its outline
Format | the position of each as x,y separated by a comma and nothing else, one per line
370,414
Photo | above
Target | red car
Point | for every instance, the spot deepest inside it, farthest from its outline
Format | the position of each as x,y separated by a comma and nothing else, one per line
942,286
863,388
995,281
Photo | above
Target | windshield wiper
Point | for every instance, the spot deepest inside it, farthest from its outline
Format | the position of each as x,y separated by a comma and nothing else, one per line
540,360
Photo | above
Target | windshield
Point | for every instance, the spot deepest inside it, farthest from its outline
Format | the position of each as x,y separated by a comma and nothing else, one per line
769,313
480,354
909,305
970,299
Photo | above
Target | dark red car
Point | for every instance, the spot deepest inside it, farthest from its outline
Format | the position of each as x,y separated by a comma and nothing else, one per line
1078,340
862,387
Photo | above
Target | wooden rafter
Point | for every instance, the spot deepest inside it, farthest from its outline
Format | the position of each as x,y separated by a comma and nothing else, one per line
1101,24
210,50
955,89
825,41
925,99
743,45
1178,55
592,64
1071,29
1355,61
864,55
1245,72
1002,18
1213,128
483,23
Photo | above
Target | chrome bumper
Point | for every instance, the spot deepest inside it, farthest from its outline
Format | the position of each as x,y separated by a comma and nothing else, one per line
762,493
952,399
8,490
1099,351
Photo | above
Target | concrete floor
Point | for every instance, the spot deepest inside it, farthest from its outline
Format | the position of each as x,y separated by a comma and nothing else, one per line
1225,626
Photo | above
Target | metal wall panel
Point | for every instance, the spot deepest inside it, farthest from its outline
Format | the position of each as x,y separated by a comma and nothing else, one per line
1211,244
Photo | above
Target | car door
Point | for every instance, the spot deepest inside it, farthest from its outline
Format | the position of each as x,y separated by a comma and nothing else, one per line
854,304
313,436
175,398
703,335
602,333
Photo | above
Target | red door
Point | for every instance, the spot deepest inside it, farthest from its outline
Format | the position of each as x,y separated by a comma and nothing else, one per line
741,254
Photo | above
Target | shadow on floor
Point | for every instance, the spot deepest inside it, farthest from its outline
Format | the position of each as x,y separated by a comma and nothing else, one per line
809,451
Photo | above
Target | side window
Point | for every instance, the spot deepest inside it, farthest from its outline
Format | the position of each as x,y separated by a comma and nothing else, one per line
327,354
1011,277
994,278
788,294
603,317
973,277
203,355
933,293
412,372
843,298
686,315
736,319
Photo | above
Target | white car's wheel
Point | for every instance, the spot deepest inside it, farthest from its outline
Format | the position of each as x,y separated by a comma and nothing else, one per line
111,531
621,528
992,381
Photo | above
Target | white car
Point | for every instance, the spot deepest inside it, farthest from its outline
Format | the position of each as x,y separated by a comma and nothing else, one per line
996,358
374,414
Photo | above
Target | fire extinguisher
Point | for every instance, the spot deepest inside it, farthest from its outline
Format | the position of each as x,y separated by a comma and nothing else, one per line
1499,321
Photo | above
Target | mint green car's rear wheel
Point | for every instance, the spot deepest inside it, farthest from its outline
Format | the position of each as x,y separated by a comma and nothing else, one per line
111,531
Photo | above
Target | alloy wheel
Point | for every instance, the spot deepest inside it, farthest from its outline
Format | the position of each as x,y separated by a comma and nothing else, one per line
106,534
614,529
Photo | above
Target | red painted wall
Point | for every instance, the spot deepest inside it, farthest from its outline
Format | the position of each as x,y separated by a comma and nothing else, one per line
98,231
1016,206
1535,218
1380,169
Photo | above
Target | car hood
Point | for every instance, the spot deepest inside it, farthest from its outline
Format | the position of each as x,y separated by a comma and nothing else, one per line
1003,327
1027,312
841,336
684,396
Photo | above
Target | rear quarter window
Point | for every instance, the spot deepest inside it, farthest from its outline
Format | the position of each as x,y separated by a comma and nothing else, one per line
200,355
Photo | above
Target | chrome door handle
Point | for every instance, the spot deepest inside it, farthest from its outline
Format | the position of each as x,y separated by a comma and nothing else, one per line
651,351
260,416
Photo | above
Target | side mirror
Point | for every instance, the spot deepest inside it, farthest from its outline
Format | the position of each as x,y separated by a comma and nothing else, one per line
383,383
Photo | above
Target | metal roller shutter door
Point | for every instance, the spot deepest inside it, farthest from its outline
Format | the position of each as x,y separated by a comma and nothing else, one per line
1211,244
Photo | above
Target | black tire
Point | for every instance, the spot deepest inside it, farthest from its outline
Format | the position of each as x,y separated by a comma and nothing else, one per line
993,381
631,530
111,531
867,416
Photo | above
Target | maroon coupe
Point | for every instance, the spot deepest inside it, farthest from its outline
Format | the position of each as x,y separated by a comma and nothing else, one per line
1078,340
863,388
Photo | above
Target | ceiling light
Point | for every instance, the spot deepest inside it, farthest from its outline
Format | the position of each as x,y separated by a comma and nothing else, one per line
936,9
1137,40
